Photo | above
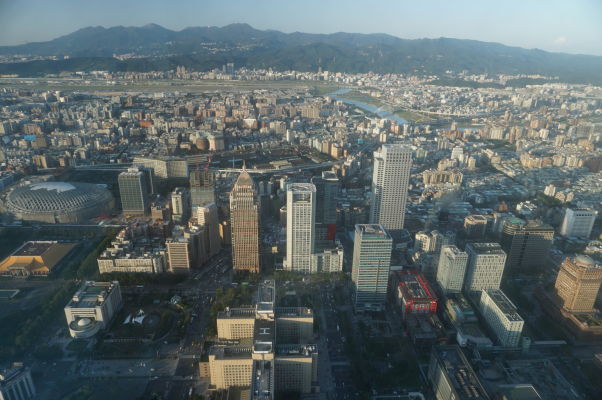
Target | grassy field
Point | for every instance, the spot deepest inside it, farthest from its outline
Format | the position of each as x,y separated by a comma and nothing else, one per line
361,97
118,87
410,116
324,89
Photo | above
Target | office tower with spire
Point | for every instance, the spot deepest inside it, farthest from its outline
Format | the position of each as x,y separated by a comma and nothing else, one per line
202,187
451,269
485,267
327,190
300,227
134,191
244,220
371,264
390,181
578,283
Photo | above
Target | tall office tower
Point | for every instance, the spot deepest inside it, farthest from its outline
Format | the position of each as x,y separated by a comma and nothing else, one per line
371,263
327,190
578,222
207,216
475,226
526,243
300,223
451,269
485,267
134,191
501,316
178,254
244,219
390,181
180,204
578,283
202,187
427,247
16,383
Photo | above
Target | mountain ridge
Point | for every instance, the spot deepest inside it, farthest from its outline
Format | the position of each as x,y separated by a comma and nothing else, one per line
202,48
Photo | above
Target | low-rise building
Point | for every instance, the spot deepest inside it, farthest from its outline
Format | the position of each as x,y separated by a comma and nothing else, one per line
92,307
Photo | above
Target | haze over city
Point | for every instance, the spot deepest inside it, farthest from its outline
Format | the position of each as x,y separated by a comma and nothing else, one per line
329,200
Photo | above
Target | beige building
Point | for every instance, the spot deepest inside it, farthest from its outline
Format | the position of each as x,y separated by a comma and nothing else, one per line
244,219
269,351
578,283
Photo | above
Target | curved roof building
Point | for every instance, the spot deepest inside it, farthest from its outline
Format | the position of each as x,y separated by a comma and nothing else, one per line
59,202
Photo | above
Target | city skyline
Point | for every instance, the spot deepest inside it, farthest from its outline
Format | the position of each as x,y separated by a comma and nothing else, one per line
579,34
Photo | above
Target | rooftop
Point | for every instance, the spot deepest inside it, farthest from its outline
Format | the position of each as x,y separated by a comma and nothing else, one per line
459,372
504,304
485,248
372,230
414,287
34,248
92,294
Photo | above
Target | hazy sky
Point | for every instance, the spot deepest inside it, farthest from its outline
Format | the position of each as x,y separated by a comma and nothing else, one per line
572,26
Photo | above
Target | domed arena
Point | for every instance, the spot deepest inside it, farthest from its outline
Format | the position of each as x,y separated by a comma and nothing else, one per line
59,202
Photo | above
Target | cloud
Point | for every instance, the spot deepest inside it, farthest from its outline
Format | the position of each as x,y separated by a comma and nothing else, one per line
560,40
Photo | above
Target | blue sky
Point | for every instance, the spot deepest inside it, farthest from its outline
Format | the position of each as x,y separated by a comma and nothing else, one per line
571,26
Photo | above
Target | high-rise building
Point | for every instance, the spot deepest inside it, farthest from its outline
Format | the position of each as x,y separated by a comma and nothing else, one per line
134,191
207,216
202,187
372,248
452,377
390,181
578,283
475,226
451,269
485,266
501,316
526,243
180,204
274,356
578,222
244,220
16,383
327,190
300,227
178,254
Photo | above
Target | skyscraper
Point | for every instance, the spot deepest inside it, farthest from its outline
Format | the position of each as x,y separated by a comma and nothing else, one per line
180,204
371,264
578,283
327,190
207,216
578,222
300,224
390,180
134,191
202,187
485,266
525,243
244,218
451,269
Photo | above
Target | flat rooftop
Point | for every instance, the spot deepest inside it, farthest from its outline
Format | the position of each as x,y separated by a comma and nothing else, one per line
414,287
262,380
460,373
92,294
231,352
263,336
372,230
293,312
504,304
485,248
239,312
33,248
296,349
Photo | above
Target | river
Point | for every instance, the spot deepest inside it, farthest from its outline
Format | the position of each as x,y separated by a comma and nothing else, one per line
366,107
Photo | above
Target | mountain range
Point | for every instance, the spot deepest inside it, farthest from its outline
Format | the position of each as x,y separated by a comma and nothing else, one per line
202,48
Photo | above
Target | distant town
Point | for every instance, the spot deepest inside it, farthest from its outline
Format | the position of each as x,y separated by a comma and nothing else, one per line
258,234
